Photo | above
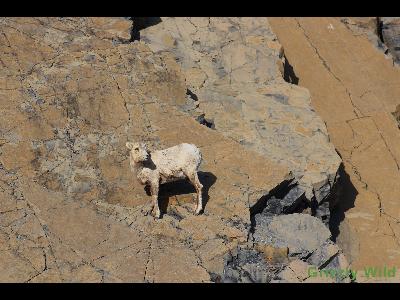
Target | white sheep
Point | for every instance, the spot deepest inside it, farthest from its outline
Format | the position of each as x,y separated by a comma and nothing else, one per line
177,162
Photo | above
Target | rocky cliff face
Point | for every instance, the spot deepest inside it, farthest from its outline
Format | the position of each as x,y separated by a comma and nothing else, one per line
383,32
74,90
235,68
390,34
355,90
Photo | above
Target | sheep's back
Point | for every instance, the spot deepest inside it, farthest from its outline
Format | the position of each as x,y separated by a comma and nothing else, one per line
176,158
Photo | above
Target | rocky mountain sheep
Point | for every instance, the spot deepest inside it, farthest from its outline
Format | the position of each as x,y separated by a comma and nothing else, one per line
178,162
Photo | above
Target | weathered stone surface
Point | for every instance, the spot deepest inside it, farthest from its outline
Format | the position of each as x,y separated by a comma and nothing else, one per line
355,90
367,26
253,265
301,233
391,35
234,66
324,254
248,265
291,202
287,248
273,254
296,271
72,92
383,32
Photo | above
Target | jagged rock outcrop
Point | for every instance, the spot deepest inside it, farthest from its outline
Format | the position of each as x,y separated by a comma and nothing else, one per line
367,26
289,248
235,68
383,32
301,233
355,91
72,92
390,31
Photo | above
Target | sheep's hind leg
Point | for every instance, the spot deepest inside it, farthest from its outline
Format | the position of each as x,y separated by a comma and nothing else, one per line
194,179
154,195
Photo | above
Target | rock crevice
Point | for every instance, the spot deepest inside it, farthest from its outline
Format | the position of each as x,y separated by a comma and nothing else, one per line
80,88
366,137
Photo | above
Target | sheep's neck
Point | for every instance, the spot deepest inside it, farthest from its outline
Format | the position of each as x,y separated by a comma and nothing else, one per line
138,167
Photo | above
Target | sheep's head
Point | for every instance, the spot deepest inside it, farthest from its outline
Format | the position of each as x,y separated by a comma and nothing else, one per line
138,151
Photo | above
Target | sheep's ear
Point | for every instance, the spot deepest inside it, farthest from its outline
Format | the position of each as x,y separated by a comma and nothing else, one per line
129,145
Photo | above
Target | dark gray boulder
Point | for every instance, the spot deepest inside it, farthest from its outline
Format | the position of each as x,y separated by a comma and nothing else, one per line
301,233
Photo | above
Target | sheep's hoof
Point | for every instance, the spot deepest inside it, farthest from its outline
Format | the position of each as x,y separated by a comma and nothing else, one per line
157,214
198,211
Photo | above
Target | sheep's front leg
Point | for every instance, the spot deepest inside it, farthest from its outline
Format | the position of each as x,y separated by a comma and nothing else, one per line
148,209
154,194
194,179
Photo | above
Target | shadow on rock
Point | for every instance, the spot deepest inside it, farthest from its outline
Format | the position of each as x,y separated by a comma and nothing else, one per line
288,73
181,187
140,23
347,195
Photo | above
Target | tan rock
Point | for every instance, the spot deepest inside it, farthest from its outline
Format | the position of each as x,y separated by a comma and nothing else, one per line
69,193
300,268
15,268
231,85
353,89
288,275
272,254
85,273
319,280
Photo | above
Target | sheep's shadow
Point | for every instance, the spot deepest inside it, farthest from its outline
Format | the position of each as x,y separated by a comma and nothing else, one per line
181,187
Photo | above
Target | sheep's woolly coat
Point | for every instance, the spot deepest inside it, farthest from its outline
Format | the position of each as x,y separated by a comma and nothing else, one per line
173,163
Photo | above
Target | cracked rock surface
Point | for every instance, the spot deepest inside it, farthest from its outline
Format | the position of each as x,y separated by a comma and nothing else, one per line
383,32
235,67
287,248
391,36
355,90
72,92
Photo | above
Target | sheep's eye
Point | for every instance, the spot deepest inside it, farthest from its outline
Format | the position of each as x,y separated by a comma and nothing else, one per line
136,149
